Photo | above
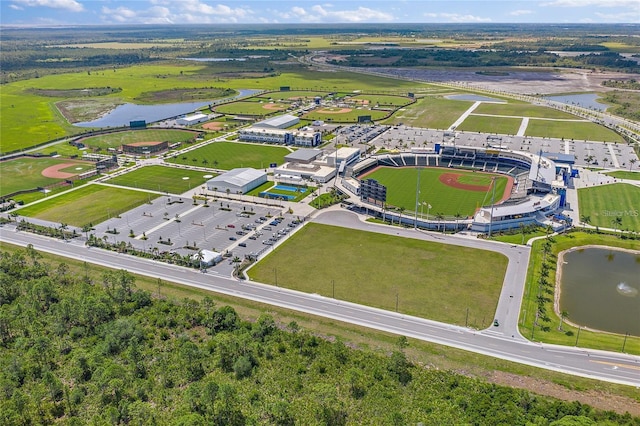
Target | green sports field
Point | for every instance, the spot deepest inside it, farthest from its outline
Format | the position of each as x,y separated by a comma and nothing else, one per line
401,189
26,172
383,100
434,112
88,204
328,114
603,204
114,140
431,280
579,130
624,174
164,179
500,125
292,95
231,155
251,108
521,110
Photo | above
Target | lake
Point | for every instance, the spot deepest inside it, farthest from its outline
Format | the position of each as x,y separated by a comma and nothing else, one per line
123,114
600,289
584,100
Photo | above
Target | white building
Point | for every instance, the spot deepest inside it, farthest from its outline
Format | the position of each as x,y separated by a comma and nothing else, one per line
237,181
295,172
190,120
343,157
280,136
279,122
209,258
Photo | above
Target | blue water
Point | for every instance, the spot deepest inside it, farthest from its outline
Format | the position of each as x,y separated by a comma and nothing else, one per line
585,100
286,188
123,114
474,98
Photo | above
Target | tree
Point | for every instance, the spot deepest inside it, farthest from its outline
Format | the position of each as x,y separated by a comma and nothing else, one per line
617,223
439,218
457,216
563,315
631,163
236,262
585,219
400,210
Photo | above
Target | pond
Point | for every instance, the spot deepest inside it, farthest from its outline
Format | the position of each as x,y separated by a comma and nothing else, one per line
474,98
123,114
600,289
584,100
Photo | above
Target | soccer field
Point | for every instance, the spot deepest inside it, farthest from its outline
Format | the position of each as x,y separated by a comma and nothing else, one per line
164,179
443,197
88,204
230,155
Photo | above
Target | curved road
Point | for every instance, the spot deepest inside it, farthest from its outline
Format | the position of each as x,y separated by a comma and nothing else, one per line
497,342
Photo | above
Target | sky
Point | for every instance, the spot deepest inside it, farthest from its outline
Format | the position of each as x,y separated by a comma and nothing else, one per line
110,12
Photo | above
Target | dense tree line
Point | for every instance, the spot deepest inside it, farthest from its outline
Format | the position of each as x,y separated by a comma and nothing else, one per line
78,349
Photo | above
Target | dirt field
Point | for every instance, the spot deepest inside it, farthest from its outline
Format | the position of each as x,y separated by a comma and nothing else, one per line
215,126
55,172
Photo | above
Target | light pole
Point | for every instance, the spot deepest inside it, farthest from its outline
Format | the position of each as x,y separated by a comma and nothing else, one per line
415,223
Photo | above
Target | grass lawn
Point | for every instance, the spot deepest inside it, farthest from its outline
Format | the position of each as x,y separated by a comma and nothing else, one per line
587,339
26,172
579,130
500,125
88,204
401,189
521,110
160,178
434,112
231,155
114,140
292,95
606,202
623,174
344,117
383,100
430,280
251,108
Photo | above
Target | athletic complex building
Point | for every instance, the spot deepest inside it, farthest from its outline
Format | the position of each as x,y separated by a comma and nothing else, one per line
237,181
537,196
275,131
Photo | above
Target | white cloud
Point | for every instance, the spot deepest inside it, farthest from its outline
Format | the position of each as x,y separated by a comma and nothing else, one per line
70,5
324,13
152,15
619,17
457,18
597,3
521,12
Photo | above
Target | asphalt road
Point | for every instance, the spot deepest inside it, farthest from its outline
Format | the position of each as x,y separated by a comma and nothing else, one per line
606,366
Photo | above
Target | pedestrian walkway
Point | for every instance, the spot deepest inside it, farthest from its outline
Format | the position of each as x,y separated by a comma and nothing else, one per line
464,115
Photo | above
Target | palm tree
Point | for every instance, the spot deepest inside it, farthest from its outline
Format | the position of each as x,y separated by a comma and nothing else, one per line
617,223
400,210
457,216
236,262
631,163
199,256
228,192
439,218
585,219
563,315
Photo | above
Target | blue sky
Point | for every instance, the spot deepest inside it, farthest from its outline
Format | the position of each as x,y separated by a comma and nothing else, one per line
100,12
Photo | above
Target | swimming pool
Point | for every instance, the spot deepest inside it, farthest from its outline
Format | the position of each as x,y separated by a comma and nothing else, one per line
287,188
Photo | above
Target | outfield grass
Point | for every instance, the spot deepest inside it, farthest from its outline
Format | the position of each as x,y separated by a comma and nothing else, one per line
586,339
384,100
579,130
500,125
292,95
623,174
231,155
401,189
434,112
251,108
160,178
345,117
88,204
431,280
521,110
114,140
26,172
606,202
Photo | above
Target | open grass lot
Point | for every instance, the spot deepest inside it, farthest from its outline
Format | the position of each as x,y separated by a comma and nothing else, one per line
500,125
292,95
433,112
344,117
579,130
521,110
251,108
431,280
160,178
401,189
26,172
605,203
623,174
587,339
231,155
114,140
88,204
383,100
29,118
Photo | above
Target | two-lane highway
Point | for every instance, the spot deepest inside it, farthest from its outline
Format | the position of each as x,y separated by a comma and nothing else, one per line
611,367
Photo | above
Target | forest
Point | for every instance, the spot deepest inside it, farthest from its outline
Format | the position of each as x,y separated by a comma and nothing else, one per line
81,348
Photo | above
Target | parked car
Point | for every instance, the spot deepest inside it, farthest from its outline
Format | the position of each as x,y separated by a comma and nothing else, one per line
233,238
253,237
242,244
231,225
267,228
495,322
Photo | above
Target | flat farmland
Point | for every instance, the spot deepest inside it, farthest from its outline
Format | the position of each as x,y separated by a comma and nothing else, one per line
114,140
401,189
88,204
579,130
231,155
434,112
26,172
430,280
500,125
164,179
603,204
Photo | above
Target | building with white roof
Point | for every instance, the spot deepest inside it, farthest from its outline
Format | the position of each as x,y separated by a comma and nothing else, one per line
279,122
237,181
280,136
190,120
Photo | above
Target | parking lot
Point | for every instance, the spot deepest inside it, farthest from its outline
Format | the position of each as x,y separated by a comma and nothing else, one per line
174,224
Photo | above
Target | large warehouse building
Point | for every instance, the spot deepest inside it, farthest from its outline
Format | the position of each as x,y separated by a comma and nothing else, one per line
237,181
278,122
